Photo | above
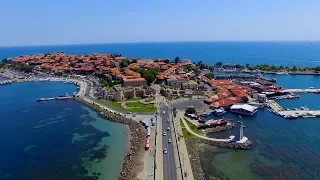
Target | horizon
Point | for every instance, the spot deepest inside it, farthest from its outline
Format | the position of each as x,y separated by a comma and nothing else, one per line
35,22
164,42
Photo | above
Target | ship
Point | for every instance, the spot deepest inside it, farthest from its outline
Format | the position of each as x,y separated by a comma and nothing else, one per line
219,111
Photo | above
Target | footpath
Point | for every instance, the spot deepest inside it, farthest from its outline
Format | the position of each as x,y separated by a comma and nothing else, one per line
183,152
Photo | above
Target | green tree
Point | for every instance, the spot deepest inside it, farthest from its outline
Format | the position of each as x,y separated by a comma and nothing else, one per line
245,99
134,61
209,75
124,63
176,60
219,63
80,61
294,68
190,110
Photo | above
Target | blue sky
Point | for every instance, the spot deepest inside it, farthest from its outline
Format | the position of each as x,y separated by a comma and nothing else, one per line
46,22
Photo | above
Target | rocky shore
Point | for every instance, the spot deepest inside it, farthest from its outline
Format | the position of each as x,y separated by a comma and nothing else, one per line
131,162
193,152
230,145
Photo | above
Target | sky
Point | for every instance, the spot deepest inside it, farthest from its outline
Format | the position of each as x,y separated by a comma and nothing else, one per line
51,22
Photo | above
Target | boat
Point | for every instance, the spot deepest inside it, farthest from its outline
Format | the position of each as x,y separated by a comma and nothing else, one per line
269,110
64,95
205,114
291,116
309,116
219,111
243,109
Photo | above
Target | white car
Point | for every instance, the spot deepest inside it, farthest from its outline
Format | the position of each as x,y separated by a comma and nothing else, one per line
169,140
164,133
165,151
168,129
163,112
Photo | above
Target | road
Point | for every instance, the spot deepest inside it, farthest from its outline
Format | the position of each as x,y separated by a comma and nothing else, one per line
169,165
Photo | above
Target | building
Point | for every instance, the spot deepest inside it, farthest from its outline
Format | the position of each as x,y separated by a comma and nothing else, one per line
243,109
190,85
262,98
134,82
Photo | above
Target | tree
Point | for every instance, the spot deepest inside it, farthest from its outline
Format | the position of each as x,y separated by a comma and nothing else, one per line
72,64
166,61
245,99
176,60
5,60
190,110
80,61
219,63
209,75
134,61
124,63
93,58
294,68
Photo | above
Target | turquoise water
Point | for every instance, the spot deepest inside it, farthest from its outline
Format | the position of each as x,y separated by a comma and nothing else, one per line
282,149
55,139
285,53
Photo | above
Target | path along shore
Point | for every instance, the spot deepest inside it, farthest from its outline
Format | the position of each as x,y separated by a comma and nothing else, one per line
132,160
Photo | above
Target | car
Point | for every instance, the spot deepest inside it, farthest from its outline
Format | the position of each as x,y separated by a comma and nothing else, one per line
169,140
163,112
168,129
164,133
165,151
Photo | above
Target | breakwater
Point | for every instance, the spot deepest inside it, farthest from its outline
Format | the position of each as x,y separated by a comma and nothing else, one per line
132,161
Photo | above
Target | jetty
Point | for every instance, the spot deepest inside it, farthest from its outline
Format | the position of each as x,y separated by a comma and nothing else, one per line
55,98
292,114
309,90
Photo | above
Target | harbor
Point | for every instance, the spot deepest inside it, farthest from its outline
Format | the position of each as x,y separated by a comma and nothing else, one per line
292,114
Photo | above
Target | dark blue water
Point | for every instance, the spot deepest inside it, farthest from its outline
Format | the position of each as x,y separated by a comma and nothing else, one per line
282,149
2,79
57,139
278,53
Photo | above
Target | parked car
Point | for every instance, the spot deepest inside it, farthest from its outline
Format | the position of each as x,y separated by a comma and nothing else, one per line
164,133
169,140
168,129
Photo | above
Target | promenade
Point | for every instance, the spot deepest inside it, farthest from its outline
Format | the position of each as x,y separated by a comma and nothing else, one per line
302,90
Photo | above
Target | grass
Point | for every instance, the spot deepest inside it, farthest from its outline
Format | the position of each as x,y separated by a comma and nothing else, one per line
132,106
134,99
113,104
137,106
185,132
193,127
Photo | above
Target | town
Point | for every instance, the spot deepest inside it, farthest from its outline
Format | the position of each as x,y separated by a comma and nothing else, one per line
171,100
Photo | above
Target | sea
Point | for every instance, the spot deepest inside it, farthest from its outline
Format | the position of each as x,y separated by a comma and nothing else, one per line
56,139
300,53
282,149
64,139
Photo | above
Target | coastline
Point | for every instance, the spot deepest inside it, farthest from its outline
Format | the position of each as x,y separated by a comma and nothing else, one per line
135,133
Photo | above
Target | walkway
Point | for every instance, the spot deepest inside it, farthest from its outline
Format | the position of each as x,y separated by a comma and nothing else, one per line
202,137
302,90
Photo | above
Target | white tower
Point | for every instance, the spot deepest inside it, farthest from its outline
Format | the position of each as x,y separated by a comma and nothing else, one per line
241,129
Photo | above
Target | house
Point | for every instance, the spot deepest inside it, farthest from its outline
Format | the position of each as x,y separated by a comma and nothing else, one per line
190,85
134,82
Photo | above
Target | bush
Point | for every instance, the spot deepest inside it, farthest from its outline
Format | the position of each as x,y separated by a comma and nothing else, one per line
190,110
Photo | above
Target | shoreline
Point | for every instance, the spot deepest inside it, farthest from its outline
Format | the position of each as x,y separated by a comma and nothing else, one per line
135,134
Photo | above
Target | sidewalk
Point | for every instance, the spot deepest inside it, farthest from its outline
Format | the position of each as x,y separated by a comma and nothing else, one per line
159,155
183,152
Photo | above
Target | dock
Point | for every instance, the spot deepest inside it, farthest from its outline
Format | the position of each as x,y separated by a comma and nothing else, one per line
302,90
55,98
278,110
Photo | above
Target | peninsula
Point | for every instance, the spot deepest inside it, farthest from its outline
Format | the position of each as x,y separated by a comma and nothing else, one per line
170,107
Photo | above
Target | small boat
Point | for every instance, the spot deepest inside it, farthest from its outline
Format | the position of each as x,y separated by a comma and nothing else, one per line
205,114
291,116
288,109
269,110
219,111
64,95
309,116
244,126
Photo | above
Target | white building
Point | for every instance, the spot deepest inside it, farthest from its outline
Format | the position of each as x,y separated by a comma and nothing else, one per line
243,109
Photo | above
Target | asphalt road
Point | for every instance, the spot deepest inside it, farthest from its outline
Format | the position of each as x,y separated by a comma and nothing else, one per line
169,166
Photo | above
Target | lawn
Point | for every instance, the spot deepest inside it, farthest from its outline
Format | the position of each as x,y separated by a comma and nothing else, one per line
113,104
185,132
137,106
132,106
193,127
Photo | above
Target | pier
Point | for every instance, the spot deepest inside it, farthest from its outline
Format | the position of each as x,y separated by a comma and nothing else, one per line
291,114
310,90
55,98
